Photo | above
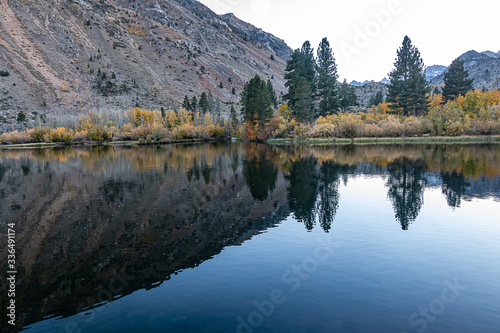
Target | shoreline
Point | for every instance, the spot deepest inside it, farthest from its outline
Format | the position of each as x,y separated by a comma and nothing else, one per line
390,140
40,145
275,142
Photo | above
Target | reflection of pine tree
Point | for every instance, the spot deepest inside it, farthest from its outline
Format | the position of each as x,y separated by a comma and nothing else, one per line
194,171
206,171
303,191
454,187
328,203
235,161
260,175
406,189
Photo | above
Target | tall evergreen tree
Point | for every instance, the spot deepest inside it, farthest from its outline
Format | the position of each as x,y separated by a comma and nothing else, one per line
301,64
233,116
456,81
377,98
272,93
408,87
211,101
303,110
347,96
194,104
327,79
185,104
204,102
256,101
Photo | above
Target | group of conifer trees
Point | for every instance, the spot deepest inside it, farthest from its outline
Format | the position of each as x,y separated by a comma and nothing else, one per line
409,88
314,90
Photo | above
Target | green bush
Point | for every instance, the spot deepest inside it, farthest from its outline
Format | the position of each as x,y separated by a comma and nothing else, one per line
21,116
445,120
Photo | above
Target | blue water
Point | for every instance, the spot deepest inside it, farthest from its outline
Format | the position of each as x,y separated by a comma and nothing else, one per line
416,260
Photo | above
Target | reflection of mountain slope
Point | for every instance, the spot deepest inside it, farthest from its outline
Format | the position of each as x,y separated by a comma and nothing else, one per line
140,227
484,187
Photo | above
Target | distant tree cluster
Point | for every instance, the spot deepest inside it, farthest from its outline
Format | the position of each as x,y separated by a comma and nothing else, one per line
258,100
206,103
313,89
409,89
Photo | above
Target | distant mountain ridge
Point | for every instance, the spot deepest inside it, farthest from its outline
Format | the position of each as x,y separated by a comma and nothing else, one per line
434,71
483,67
359,84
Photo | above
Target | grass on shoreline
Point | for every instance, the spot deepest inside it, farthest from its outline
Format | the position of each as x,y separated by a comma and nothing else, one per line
397,140
96,143
278,142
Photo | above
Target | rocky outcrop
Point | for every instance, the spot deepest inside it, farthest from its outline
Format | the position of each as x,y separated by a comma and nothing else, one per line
367,90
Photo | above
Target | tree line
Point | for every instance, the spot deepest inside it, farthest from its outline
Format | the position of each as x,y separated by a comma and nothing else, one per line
314,90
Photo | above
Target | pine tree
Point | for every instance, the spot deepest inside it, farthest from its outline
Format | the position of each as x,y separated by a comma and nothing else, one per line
194,104
376,99
234,117
301,65
327,79
270,89
211,101
185,104
456,81
204,102
303,110
348,97
408,87
256,101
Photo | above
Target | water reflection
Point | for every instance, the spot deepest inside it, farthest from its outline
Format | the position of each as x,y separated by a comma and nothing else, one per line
259,171
406,184
86,217
454,187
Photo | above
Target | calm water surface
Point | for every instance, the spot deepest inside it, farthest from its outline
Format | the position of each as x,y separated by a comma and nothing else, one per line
254,238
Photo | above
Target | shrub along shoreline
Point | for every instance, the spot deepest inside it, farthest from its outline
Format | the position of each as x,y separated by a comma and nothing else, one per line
474,118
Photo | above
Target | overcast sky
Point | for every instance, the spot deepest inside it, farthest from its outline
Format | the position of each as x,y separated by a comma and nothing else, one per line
365,34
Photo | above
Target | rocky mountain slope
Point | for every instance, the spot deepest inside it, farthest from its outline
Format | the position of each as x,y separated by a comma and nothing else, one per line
366,91
432,72
483,67
71,56
250,32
